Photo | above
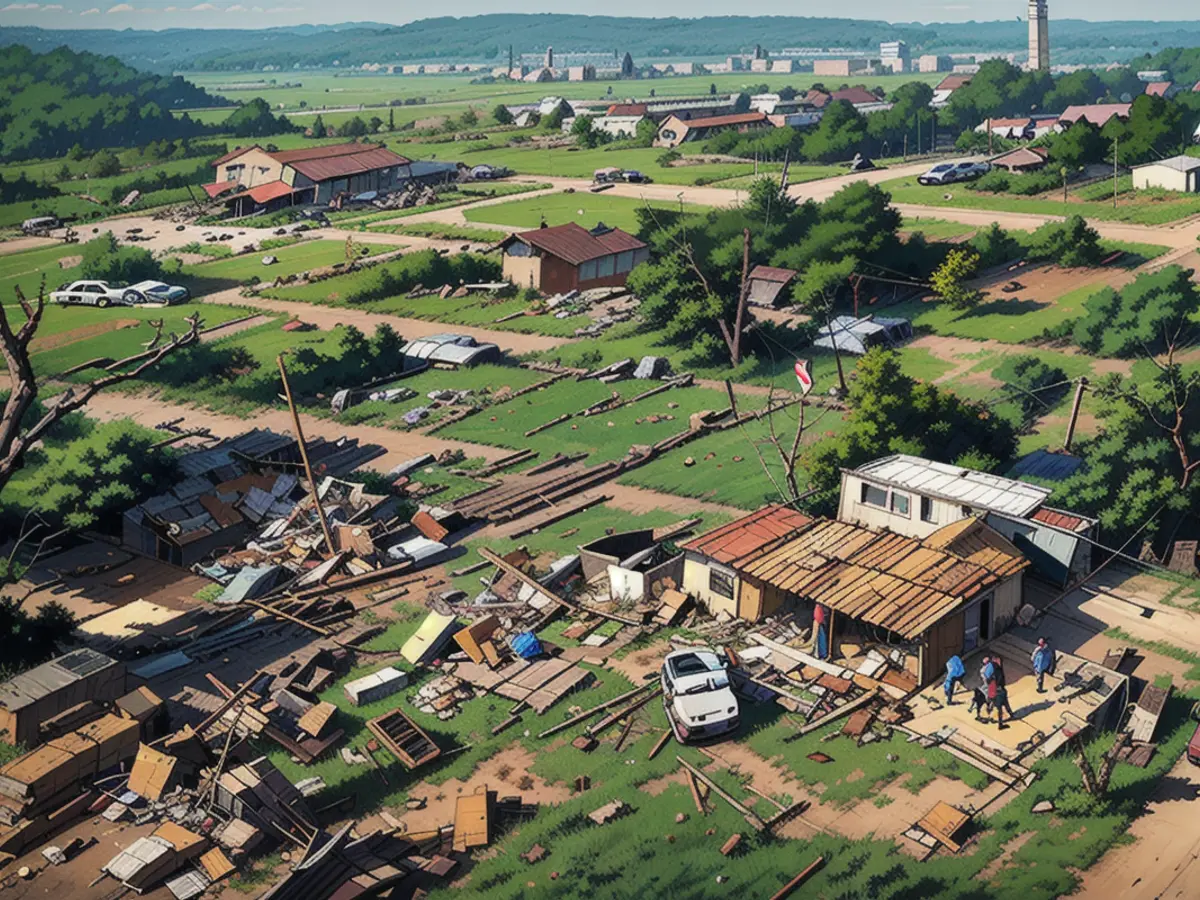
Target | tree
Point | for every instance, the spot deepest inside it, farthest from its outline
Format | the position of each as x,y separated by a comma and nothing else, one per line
106,260
787,93
1078,146
103,164
712,90
585,135
553,120
502,115
645,132
254,119
816,290
741,103
17,435
995,246
391,119
839,134
1071,244
469,118
892,413
353,127
950,279
1154,315
318,127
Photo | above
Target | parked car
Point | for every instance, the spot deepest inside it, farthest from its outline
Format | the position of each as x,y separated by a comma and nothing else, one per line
633,176
951,173
102,294
697,695
40,225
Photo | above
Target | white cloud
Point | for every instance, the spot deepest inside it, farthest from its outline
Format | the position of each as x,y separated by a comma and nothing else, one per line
285,9
90,12
204,7
53,7
17,7
120,8
237,7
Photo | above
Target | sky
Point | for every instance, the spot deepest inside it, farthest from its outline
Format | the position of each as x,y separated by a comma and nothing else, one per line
157,14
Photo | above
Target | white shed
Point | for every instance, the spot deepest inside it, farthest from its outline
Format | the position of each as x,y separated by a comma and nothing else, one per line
1179,173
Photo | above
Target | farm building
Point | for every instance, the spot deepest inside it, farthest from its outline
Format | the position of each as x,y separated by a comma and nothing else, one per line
676,130
256,179
1022,159
39,695
934,598
708,573
1179,173
570,257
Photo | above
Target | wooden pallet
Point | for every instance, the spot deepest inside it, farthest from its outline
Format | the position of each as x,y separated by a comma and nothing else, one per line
404,739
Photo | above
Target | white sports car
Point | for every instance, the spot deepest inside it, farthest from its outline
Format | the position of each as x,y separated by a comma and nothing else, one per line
102,294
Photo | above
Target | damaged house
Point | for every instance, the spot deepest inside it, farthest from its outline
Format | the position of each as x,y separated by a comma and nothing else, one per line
633,564
571,258
229,492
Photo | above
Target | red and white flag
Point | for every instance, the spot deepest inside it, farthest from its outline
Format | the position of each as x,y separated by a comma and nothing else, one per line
804,375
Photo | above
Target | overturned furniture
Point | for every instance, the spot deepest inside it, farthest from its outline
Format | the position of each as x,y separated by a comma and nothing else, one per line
404,739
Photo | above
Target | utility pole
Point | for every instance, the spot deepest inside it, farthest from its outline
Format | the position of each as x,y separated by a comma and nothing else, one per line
308,472
918,132
906,146
990,135
1079,389
742,297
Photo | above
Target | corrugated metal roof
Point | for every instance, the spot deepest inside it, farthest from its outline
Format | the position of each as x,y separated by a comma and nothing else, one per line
725,121
575,244
368,159
895,582
772,273
325,151
979,490
272,190
40,681
743,536
1064,520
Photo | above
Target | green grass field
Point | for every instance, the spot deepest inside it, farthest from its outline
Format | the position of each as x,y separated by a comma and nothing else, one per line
1145,208
582,208
444,231
292,260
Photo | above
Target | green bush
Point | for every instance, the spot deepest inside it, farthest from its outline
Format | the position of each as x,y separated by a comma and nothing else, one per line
1032,381
996,181
106,260
427,268
1070,244
995,246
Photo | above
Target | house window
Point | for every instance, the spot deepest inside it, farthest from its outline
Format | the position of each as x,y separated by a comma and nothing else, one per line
587,271
900,504
605,266
927,509
720,583
625,261
874,496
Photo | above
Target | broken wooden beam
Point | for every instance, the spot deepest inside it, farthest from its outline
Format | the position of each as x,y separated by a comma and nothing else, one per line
633,707
659,744
588,713
694,786
799,879
753,818
545,425
844,710
624,735
505,566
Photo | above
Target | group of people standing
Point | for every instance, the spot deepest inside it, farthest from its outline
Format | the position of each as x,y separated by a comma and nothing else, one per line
992,693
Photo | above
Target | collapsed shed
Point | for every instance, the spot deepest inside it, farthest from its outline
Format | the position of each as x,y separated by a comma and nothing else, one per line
37,696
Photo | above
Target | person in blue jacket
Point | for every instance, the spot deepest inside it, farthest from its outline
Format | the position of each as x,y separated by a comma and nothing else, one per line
1043,662
954,675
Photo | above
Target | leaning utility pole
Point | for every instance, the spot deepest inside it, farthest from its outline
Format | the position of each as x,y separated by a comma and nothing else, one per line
308,472
1071,422
1116,139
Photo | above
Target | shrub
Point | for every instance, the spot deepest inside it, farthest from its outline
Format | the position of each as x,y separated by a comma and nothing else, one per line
427,267
996,181
1071,243
1036,386
995,246
105,260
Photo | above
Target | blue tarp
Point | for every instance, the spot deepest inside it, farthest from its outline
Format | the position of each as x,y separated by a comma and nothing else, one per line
526,645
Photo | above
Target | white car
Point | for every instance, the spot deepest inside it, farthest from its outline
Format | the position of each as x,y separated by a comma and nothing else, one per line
697,695
102,294
950,173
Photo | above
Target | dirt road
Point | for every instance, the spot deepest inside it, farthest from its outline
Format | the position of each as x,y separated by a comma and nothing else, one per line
327,317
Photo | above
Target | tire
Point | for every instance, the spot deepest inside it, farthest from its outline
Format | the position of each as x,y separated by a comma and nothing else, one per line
132,297
103,302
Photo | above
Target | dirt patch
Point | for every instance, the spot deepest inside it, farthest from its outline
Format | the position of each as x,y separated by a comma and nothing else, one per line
1076,835
637,665
69,262
82,333
854,776
507,772
992,869
1045,283
656,786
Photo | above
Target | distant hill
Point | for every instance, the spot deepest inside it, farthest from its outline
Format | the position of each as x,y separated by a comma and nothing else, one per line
488,37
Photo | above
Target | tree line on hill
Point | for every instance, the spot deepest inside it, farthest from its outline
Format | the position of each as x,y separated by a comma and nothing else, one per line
489,36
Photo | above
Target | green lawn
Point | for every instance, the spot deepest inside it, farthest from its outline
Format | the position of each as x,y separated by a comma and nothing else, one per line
1145,207
25,269
572,163
936,229
291,260
582,208
445,231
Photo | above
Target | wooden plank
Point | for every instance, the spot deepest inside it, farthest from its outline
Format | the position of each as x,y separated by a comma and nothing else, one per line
633,707
843,710
694,786
750,815
516,573
588,713
799,879
659,744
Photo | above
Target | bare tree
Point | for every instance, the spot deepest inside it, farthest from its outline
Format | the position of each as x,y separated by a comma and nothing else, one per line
786,449
15,437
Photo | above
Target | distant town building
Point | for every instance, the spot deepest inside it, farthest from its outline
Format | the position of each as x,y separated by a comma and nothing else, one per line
783,66
1097,113
1152,75
843,68
1039,35
934,63
675,131
893,56
581,73
1164,89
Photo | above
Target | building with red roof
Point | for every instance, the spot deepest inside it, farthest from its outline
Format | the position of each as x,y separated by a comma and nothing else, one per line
709,574
253,178
570,257
676,130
